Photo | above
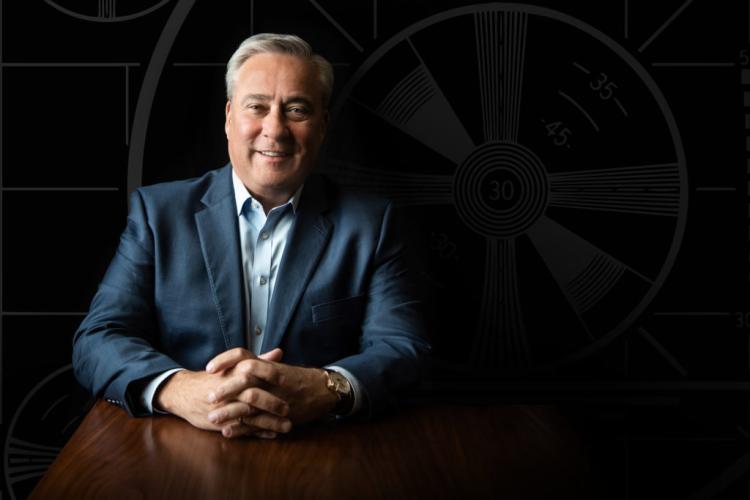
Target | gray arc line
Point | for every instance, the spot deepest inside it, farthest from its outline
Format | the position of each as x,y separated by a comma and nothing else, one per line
337,26
579,108
53,405
664,26
107,9
148,92
627,57
13,444
99,19
566,255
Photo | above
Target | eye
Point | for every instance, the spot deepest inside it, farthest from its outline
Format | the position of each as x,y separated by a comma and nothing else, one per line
255,107
298,111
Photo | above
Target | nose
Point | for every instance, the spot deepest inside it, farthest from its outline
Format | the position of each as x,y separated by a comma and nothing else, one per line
274,125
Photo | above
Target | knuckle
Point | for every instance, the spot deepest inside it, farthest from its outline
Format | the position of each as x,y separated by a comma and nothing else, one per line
252,395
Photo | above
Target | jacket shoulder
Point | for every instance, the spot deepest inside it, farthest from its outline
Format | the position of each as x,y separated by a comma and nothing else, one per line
185,192
350,201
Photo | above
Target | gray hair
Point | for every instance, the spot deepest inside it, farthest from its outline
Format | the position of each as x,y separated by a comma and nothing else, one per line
263,43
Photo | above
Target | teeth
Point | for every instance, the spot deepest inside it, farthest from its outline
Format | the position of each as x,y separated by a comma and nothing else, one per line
272,153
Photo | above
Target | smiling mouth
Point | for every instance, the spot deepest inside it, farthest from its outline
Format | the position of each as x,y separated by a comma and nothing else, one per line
274,154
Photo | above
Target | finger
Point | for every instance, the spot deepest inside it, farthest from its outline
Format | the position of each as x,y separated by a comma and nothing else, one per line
265,434
272,355
237,429
231,411
268,422
246,374
228,359
265,401
261,369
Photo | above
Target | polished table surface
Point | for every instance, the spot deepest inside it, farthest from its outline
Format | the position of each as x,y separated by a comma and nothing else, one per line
443,451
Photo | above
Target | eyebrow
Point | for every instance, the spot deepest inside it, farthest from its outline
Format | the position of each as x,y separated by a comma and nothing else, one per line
292,99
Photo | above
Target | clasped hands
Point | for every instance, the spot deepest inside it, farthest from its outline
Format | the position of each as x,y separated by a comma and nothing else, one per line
241,394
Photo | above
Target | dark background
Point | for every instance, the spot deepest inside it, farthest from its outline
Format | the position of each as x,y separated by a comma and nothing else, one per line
625,305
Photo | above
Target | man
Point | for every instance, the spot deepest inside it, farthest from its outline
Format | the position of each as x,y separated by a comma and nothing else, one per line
256,257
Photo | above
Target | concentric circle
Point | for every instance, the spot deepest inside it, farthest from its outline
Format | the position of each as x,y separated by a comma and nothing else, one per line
500,190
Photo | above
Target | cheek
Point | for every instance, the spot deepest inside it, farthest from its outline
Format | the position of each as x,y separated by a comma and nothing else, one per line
244,128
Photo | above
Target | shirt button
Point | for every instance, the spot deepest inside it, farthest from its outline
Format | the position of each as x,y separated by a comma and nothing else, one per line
264,235
263,280
258,330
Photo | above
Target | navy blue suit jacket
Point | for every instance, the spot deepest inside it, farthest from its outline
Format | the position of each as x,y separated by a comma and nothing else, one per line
173,293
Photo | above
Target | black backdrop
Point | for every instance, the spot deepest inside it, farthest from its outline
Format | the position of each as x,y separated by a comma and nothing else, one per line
576,176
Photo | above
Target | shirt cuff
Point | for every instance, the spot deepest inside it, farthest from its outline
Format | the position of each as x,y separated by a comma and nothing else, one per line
356,388
147,396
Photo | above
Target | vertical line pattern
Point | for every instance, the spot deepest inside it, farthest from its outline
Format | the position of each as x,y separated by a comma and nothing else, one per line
501,336
514,49
374,19
106,9
487,41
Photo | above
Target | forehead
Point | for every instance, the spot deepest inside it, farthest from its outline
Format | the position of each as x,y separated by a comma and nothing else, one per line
277,75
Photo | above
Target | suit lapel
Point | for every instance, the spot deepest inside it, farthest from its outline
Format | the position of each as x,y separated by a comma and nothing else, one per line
220,244
306,243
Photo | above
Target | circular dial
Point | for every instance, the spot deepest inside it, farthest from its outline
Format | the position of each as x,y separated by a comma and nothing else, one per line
543,165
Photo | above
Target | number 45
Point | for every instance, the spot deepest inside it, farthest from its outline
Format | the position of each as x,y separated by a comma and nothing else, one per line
559,131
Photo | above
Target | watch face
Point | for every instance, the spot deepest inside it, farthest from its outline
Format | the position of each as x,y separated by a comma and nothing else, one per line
340,383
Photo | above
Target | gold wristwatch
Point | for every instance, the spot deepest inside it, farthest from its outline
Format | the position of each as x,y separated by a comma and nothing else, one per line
339,385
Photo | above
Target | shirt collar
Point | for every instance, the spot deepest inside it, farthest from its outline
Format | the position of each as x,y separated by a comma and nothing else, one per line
241,194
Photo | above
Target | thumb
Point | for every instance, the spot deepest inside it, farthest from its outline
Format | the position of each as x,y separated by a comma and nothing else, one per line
272,355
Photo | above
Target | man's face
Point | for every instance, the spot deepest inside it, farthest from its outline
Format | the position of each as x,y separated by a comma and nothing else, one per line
275,123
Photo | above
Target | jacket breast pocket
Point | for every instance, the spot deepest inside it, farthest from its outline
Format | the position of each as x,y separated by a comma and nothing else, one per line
344,311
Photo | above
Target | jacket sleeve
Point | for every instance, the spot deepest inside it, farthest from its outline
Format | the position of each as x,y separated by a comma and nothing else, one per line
393,346
115,347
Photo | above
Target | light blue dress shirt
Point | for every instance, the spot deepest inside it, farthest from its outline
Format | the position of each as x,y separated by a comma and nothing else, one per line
263,238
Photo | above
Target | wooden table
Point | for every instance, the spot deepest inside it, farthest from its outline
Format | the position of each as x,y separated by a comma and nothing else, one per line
442,451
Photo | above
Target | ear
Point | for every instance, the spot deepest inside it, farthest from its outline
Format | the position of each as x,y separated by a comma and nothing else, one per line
227,119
